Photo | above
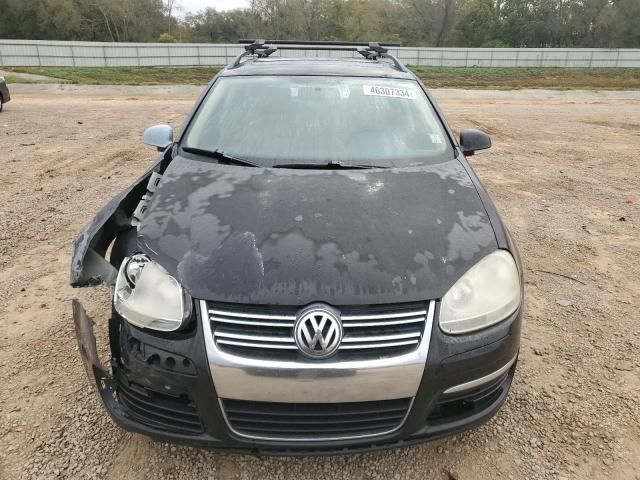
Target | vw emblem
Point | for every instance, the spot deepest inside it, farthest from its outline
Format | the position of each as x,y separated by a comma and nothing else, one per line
318,333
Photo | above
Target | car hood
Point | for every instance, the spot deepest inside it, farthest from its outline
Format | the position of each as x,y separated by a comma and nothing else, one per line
291,237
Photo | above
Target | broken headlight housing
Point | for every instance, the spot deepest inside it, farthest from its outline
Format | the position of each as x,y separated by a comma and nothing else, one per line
148,297
486,294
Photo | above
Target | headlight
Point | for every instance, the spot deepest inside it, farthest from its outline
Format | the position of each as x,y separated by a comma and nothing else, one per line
488,293
148,297
133,268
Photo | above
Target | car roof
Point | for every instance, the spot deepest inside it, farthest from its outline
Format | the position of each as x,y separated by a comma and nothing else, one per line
351,67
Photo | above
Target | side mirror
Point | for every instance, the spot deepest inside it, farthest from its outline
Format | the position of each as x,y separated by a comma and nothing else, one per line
472,140
159,136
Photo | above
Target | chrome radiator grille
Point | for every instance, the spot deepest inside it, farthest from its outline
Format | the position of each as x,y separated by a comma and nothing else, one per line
371,330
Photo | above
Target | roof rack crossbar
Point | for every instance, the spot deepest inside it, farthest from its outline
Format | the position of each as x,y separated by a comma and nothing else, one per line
319,43
319,47
370,51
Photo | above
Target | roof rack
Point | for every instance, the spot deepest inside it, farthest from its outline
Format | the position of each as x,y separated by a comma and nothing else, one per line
258,48
369,50
327,43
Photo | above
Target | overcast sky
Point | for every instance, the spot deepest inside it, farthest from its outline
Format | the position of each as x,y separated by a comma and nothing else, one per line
195,5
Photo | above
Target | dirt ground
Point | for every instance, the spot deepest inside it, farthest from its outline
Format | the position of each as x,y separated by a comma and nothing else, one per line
564,172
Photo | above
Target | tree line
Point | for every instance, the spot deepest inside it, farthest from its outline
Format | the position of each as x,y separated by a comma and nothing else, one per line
464,23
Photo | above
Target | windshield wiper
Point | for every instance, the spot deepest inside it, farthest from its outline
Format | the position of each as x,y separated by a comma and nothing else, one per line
326,166
221,157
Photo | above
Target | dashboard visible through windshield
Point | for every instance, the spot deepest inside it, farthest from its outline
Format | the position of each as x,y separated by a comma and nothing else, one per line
312,120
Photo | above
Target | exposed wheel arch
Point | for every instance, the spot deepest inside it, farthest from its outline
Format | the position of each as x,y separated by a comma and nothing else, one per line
124,245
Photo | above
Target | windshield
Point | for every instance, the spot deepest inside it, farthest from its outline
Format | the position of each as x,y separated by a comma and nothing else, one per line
318,121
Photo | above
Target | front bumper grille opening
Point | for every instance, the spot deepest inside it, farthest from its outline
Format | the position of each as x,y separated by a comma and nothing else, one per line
314,421
165,412
369,331
463,404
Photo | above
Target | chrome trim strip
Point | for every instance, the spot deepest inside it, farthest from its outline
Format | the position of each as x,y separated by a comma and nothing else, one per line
482,380
312,439
316,381
255,338
359,346
383,315
252,315
248,322
238,343
350,324
281,346
378,338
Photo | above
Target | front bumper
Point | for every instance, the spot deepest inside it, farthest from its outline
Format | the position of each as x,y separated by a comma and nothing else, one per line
161,386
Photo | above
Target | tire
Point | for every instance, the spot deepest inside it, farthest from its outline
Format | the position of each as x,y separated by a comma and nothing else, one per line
1,102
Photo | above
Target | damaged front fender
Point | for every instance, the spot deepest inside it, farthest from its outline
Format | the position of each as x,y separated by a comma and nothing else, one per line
89,354
88,263
87,344
95,370
90,267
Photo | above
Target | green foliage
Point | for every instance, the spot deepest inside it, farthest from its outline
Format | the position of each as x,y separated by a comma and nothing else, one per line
167,38
494,43
109,20
478,23
473,23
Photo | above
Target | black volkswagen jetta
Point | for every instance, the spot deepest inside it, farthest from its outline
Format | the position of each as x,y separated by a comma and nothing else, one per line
312,266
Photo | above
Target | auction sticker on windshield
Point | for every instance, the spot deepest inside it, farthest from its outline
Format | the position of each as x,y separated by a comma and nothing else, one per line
389,91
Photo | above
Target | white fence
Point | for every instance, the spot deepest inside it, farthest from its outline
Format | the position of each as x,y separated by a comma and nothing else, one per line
36,53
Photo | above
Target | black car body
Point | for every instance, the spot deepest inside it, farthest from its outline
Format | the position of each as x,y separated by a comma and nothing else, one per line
4,92
319,300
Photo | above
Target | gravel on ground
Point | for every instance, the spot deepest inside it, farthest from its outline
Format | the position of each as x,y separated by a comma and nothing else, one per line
565,174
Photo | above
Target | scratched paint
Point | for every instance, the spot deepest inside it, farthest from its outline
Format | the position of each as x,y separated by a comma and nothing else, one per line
252,235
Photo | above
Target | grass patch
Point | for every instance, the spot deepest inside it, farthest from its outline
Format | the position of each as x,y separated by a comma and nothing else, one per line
122,75
521,77
434,77
14,79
